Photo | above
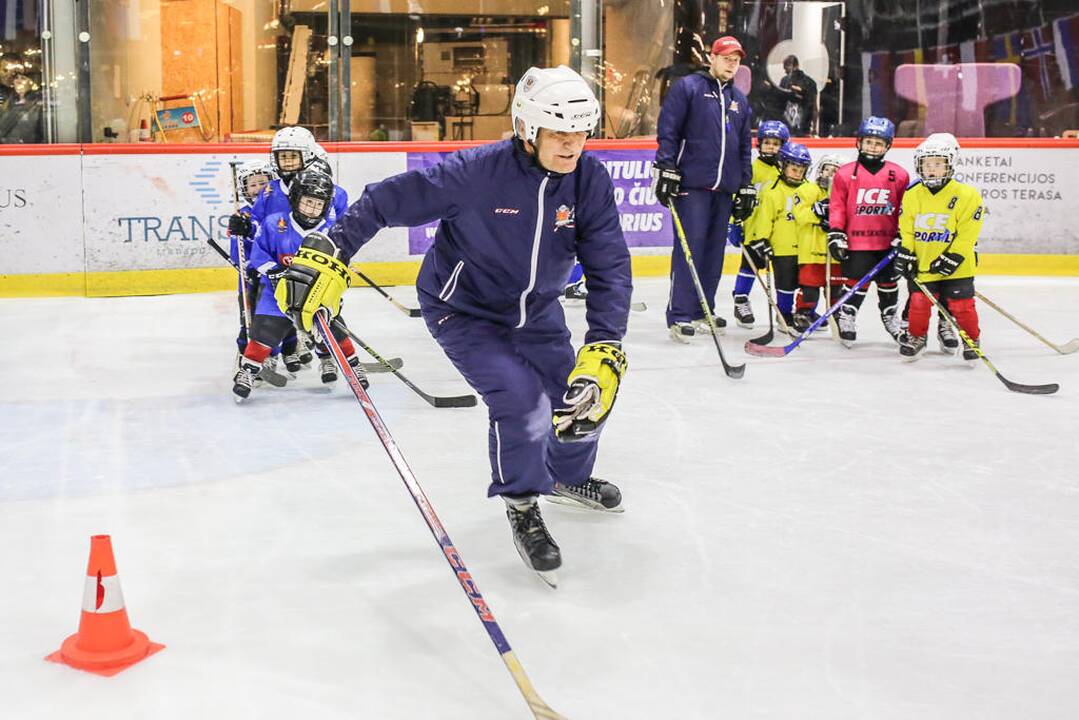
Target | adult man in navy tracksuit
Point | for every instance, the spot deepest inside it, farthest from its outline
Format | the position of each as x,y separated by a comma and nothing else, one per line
515,215
704,165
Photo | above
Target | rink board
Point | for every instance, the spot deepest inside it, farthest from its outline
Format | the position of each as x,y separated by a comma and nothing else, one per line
101,220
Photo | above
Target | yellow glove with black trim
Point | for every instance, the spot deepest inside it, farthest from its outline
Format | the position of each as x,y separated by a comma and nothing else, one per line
315,279
593,387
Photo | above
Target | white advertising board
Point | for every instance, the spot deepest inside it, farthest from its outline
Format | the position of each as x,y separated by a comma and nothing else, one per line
151,211
1031,194
41,215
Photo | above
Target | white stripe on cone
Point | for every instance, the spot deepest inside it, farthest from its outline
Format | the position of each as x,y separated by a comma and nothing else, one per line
102,595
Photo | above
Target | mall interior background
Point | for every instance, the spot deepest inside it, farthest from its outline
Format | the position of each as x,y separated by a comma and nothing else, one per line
445,69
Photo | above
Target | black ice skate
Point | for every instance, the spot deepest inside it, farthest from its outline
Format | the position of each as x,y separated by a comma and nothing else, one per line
701,326
971,355
911,347
847,318
244,380
804,319
534,543
292,363
743,311
949,341
575,293
327,369
594,494
357,367
682,332
890,319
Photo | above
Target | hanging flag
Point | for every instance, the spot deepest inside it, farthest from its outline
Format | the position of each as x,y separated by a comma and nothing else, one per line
1038,54
1066,43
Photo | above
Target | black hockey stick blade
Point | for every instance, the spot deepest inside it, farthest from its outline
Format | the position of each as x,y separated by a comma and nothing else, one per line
1047,389
733,371
389,366
438,401
763,339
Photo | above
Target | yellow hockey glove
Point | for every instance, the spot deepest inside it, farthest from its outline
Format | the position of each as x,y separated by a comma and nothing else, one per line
593,387
315,279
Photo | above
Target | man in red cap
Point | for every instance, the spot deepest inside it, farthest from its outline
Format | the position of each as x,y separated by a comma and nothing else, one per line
703,166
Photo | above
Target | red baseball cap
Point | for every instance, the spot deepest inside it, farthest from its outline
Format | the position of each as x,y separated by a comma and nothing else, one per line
727,45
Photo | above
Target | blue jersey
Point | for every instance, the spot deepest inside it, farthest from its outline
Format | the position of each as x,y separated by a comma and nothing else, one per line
276,240
273,199
508,236
703,130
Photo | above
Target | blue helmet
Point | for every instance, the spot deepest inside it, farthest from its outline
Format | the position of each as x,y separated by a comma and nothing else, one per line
773,129
873,126
795,153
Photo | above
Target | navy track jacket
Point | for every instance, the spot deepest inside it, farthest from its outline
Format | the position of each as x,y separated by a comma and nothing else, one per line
508,236
703,131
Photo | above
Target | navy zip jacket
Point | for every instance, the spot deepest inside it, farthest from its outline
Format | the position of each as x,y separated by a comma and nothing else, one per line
703,131
508,236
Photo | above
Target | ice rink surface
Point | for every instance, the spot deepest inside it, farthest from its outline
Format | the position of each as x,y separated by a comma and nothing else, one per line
838,535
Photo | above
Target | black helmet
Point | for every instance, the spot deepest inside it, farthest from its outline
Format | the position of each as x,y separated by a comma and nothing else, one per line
310,185
321,165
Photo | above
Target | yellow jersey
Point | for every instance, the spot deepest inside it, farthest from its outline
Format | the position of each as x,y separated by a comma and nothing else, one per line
949,220
813,241
774,219
764,175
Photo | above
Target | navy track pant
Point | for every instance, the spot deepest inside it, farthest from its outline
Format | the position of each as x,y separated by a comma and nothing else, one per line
521,375
704,216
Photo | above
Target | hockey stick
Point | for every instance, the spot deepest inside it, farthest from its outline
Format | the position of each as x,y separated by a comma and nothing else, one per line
772,306
438,401
540,709
771,351
1047,389
241,267
833,327
733,371
1067,349
411,312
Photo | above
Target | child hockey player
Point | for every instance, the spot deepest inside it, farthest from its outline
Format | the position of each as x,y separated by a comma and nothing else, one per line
863,213
939,228
251,178
812,216
489,288
276,242
775,228
771,134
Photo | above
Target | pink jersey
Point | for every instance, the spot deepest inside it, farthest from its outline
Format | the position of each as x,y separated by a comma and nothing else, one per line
866,205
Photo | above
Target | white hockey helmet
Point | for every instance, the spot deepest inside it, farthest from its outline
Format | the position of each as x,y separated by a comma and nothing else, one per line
249,170
554,98
942,145
295,138
320,153
828,160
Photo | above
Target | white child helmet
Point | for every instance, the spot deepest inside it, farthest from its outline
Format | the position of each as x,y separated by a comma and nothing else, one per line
833,159
554,98
295,138
943,145
247,170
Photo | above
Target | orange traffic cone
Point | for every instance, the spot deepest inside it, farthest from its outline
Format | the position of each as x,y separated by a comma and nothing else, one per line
105,643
